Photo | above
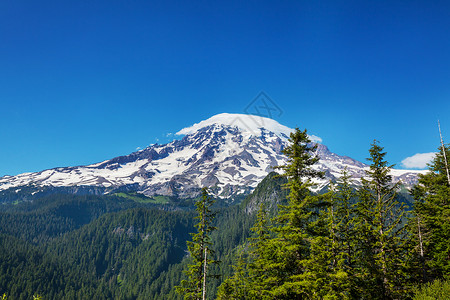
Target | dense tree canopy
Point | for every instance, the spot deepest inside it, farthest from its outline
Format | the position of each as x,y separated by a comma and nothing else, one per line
348,243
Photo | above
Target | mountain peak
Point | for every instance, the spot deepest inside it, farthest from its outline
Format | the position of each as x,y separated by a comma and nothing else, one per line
249,124
229,153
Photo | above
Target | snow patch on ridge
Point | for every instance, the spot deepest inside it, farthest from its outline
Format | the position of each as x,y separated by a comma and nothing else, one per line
229,153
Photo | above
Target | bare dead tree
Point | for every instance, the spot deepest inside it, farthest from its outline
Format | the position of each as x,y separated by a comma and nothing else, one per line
443,151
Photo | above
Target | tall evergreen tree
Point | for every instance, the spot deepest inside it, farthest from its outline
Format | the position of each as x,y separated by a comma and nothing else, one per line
331,267
325,276
281,257
236,286
340,280
287,269
201,252
431,225
249,278
382,235
278,262
345,218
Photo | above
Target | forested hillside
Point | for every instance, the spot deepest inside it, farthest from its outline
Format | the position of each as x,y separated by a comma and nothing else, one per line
281,242
363,243
71,247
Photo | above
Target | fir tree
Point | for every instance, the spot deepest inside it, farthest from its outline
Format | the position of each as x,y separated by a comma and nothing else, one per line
277,265
249,278
200,250
345,228
325,272
288,270
382,248
337,245
236,286
284,254
432,219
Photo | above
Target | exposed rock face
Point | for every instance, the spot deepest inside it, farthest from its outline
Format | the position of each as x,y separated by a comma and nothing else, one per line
269,191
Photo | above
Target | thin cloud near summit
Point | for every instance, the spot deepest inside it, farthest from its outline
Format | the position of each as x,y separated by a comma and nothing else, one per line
419,160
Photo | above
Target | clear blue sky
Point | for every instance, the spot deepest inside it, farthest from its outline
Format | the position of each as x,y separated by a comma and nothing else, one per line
84,81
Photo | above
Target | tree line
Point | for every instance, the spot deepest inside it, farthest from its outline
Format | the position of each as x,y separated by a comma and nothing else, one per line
104,247
348,243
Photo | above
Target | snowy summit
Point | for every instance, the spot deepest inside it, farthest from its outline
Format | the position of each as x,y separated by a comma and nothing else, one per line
247,124
228,153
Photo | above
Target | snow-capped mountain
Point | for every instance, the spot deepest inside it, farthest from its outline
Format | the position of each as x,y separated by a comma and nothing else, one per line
229,153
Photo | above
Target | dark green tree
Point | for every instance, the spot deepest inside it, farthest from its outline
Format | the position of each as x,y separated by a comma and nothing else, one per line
236,286
288,272
346,234
248,280
431,223
325,276
200,250
277,263
382,250
332,251
282,260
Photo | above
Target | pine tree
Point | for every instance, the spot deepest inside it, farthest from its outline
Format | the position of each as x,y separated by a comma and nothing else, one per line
325,273
260,254
331,267
417,263
382,248
286,252
432,218
345,216
341,245
277,264
296,221
200,249
236,286
249,278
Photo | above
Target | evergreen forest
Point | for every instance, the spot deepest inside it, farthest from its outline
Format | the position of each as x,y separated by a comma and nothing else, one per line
371,241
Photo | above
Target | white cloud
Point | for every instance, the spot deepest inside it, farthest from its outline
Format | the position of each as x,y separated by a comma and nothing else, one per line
315,138
169,134
138,148
247,123
418,160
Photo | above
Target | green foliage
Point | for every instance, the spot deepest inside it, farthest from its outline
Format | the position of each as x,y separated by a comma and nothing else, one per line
278,257
73,247
140,198
200,250
249,276
432,218
329,264
51,216
382,249
339,245
125,254
286,254
436,290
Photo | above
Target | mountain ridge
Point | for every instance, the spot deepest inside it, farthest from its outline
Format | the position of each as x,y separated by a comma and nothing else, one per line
228,153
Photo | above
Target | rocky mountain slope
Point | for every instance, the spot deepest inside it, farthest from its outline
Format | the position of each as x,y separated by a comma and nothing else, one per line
229,153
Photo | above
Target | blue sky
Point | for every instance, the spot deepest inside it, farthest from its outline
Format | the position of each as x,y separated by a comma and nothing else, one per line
84,81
